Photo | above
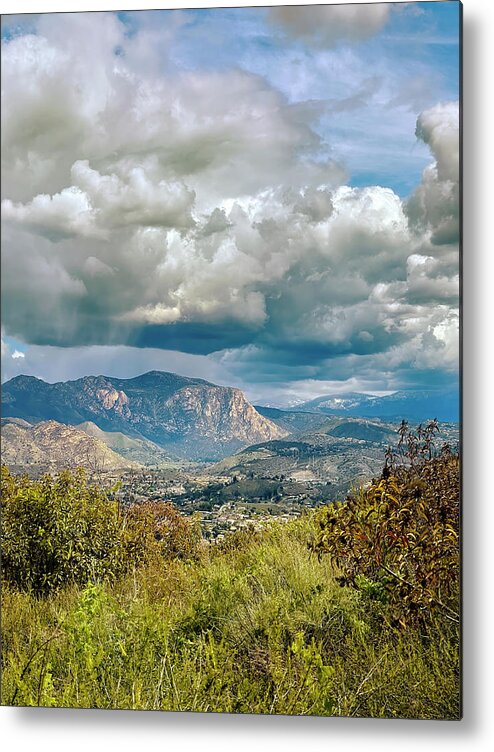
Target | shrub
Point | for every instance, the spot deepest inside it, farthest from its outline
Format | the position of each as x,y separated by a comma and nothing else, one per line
158,528
398,540
62,529
57,530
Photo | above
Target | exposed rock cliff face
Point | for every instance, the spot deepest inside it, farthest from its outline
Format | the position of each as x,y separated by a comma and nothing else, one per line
50,446
217,411
111,399
189,417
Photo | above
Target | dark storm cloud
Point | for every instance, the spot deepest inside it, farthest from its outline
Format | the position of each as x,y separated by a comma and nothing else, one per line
199,339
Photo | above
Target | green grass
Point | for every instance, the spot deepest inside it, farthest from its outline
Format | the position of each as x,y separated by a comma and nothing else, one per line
257,626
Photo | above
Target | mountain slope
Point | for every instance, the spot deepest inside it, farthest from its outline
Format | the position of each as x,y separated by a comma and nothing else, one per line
137,450
188,417
291,420
362,431
51,446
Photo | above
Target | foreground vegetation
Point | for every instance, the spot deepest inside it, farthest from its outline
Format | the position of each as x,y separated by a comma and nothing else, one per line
134,610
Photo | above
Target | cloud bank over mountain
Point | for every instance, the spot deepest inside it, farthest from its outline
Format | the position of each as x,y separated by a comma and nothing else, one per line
194,209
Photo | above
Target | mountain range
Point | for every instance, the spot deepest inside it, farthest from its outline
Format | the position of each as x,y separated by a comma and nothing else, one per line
162,418
188,418
415,406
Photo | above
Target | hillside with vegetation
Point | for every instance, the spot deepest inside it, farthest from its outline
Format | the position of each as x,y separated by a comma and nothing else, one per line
350,610
49,446
136,450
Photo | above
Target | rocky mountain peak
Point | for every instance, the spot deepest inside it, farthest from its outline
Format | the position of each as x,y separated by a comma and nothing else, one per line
189,417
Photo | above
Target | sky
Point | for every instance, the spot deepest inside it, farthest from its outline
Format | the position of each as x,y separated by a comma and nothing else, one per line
261,197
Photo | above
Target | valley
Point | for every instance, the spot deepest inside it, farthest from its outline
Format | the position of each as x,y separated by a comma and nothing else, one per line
279,478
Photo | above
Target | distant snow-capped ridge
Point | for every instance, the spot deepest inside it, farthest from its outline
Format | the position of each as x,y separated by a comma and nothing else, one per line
414,406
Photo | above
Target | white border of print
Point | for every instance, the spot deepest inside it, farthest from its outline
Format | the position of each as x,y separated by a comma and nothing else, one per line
83,730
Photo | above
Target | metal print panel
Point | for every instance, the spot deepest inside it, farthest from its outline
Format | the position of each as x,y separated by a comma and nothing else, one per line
230,360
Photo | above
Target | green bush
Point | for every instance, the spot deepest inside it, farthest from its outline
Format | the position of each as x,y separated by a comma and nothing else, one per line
57,530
